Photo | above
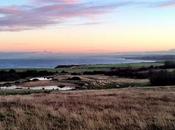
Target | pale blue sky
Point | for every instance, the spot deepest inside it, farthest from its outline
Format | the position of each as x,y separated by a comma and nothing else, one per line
12,2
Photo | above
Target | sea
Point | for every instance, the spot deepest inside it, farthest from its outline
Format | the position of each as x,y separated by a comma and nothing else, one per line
51,61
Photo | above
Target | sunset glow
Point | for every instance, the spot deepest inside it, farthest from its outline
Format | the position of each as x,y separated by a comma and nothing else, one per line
85,26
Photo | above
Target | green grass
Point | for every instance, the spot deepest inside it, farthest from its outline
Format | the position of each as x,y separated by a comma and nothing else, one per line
106,67
83,68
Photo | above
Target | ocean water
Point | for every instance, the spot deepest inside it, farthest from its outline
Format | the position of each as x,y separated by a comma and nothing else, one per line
51,62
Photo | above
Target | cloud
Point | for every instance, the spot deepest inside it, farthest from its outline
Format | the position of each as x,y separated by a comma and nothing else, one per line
16,18
167,4
57,1
42,13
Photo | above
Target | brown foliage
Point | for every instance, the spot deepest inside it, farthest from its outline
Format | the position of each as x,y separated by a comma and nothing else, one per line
121,109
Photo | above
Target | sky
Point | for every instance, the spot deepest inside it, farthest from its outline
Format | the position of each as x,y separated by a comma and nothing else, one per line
87,26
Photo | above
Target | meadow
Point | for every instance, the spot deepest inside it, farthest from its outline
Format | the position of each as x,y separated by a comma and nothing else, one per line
83,68
104,67
104,97
89,76
115,109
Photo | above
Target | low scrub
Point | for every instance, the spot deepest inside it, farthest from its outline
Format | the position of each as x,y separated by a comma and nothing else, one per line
13,75
127,72
163,77
169,64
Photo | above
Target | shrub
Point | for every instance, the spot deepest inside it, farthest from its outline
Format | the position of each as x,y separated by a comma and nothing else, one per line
13,75
169,64
162,77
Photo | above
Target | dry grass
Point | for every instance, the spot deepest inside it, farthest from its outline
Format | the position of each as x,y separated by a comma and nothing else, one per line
121,109
45,83
88,82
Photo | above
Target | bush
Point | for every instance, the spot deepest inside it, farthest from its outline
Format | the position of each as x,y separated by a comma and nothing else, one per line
13,75
169,64
162,77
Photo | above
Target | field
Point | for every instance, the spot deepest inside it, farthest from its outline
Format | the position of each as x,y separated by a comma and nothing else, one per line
115,109
105,67
83,68
101,97
89,77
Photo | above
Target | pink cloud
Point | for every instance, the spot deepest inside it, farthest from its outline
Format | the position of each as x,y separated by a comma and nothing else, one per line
30,17
168,3
57,1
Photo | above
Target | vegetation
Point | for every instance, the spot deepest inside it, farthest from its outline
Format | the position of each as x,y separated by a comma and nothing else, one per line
125,108
157,73
102,67
163,77
127,72
122,109
169,64
12,75
22,92
123,70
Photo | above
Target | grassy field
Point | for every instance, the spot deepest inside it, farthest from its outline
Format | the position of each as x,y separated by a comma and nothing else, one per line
83,68
105,67
94,105
119,109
